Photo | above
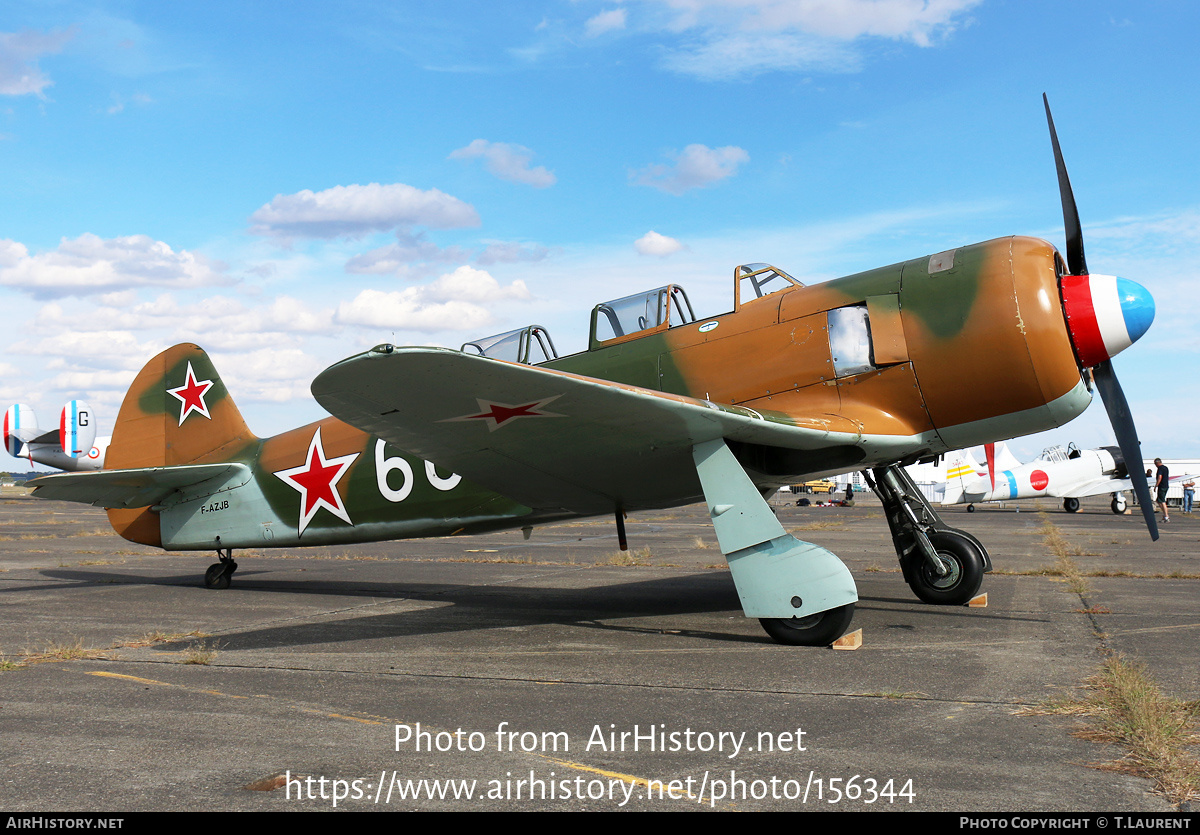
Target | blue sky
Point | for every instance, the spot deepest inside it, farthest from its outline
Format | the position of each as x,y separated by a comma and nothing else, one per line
289,183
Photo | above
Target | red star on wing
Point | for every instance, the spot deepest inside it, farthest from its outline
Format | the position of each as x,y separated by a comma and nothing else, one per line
316,480
191,395
496,414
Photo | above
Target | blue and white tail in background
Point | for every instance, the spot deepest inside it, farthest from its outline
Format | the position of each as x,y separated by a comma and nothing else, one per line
72,446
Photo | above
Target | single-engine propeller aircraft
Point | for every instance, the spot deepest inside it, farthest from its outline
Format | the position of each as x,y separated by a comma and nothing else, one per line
869,372
1069,474
73,446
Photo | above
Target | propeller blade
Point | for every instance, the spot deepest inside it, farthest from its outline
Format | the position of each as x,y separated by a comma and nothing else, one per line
1131,448
1076,263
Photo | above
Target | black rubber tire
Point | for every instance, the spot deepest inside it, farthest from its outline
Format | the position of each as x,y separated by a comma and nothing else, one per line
819,630
964,579
216,577
1071,505
1118,506
970,508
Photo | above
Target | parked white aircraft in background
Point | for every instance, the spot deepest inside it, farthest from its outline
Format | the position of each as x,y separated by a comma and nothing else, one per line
73,445
1070,474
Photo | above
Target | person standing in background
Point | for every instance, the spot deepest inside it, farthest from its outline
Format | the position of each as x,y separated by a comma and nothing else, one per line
1162,483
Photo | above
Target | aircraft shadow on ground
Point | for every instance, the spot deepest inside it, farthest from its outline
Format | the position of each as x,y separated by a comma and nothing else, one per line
471,607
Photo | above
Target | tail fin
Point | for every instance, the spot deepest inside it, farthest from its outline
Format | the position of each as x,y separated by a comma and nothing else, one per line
20,427
177,412
961,464
76,429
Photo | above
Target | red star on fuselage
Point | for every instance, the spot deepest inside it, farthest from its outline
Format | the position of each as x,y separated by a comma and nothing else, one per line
191,395
316,481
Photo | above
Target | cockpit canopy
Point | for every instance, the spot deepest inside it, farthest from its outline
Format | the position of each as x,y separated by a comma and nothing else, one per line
753,281
530,345
645,313
654,310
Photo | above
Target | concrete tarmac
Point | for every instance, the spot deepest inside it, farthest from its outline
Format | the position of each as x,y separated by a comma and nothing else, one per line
495,673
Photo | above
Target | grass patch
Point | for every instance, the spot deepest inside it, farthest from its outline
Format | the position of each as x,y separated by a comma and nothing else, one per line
200,653
829,525
1124,706
639,557
55,651
1044,571
1064,553
158,637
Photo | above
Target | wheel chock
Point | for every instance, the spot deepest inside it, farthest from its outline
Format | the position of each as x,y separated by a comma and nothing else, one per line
979,601
853,640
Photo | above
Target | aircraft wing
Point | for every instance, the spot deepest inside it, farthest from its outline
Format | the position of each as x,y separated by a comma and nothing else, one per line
1115,485
1096,488
546,438
131,488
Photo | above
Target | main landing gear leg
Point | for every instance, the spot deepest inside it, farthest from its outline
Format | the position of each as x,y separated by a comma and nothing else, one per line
220,574
941,564
801,593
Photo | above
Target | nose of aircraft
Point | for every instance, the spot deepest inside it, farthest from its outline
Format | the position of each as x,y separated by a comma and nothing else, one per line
1105,315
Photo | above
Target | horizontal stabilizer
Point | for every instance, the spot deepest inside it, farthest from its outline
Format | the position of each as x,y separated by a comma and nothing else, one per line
132,488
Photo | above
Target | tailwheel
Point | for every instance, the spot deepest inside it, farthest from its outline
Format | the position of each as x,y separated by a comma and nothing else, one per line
963,579
970,508
1071,505
220,574
818,630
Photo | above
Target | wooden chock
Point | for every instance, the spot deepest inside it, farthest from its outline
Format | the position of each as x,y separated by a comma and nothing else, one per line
853,640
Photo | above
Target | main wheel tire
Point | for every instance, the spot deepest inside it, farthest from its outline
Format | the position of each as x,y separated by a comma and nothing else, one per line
216,577
970,508
1118,505
1071,505
964,579
818,630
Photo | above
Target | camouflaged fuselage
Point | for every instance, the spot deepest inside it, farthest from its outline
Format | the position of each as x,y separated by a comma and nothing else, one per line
967,347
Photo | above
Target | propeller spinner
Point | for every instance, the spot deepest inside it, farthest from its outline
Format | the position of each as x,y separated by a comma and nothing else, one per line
1105,315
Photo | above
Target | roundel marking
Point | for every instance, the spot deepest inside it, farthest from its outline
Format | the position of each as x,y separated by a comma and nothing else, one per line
1038,480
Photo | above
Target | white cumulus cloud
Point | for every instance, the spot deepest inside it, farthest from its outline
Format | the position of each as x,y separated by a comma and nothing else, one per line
918,21
653,243
508,162
503,252
721,39
219,322
605,22
409,249
356,210
91,264
696,167
455,301
19,53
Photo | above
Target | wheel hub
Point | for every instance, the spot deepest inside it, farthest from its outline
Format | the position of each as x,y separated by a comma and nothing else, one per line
950,579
